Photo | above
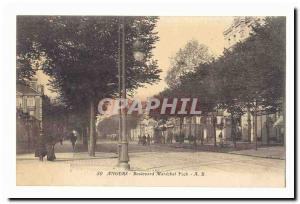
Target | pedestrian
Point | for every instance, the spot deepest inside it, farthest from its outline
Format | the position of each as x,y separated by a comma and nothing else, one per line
148,139
50,152
221,139
73,139
41,151
144,140
61,140
51,141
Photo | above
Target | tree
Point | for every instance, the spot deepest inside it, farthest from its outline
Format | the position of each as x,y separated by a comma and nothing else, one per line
186,60
254,70
249,75
202,84
55,124
80,55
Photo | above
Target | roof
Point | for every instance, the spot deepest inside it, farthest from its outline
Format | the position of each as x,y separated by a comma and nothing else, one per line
23,89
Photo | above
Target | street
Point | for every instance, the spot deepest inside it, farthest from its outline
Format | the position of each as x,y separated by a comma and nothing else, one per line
212,169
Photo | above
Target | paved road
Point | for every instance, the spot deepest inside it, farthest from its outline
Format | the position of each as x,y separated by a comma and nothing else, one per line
216,169
111,147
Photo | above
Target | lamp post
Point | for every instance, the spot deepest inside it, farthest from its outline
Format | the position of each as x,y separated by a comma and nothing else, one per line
123,142
119,90
139,56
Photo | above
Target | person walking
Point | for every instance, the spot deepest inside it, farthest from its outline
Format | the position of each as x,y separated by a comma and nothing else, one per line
61,139
221,139
73,139
148,139
144,140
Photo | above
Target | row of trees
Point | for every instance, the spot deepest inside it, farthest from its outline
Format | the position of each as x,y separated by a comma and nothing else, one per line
248,75
80,54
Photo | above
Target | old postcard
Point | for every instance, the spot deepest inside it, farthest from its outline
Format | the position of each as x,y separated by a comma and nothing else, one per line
152,101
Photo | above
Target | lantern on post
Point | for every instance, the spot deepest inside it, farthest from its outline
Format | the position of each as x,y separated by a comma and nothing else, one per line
138,53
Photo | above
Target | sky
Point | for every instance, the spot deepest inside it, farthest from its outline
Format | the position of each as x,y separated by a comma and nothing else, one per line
174,33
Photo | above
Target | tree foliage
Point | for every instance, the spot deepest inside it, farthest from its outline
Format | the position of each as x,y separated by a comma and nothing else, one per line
80,53
186,60
251,71
254,70
248,75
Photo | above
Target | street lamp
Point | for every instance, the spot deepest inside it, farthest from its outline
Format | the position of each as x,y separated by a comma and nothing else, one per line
138,56
123,142
138,50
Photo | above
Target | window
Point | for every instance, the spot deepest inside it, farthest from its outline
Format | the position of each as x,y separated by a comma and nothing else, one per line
19,102
208,120
198,120
30,101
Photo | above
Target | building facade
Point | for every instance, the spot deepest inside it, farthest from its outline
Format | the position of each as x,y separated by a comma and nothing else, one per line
29,115
240,29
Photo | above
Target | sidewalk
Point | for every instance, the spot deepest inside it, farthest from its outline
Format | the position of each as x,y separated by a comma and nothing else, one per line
110,148
274,152
245,149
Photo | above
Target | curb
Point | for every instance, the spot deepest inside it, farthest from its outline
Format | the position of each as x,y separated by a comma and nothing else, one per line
264,157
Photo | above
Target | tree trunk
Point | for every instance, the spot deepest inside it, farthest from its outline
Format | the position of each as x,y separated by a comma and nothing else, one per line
276,129
249,123
255,129
214,129
190,130
233,131
92,130
202,134
88,137
267,129
180,129
84,137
